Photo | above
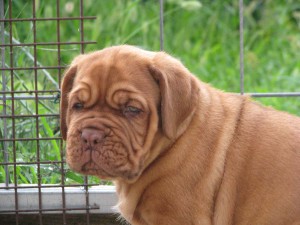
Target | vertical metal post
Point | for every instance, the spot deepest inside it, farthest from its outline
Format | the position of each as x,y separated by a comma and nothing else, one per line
12,88
161,23
241,19
61,143
86,182
81,28
37,130
4,83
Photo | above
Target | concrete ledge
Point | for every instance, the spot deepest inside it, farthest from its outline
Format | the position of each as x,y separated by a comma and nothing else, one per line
101,200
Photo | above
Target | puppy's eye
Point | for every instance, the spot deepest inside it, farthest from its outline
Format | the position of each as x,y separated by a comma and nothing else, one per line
77,106
131,111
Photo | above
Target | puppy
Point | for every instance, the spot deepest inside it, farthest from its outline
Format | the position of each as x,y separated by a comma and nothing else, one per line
179,151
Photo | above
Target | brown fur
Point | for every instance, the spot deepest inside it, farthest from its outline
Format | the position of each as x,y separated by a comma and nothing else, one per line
194,155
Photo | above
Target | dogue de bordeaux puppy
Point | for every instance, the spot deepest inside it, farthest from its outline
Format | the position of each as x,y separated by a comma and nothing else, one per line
179,151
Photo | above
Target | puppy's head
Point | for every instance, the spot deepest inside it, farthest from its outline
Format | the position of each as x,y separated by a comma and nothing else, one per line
116,103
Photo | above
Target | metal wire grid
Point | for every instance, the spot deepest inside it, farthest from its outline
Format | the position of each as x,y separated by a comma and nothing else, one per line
14,95
9,96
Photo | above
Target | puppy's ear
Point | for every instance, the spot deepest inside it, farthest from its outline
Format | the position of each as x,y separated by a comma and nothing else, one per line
179,94
66,87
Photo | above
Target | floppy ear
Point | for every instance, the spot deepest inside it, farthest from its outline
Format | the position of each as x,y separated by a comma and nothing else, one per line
179,94
66,87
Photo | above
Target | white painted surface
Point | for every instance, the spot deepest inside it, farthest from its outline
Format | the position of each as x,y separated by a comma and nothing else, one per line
28,199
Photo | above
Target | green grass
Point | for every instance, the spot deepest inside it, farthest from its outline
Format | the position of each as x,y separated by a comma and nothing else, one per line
204,36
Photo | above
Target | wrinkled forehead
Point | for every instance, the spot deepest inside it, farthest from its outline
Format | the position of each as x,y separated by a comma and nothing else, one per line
102,73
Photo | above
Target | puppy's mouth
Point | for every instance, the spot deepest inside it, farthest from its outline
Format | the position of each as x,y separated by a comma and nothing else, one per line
102,153
91,168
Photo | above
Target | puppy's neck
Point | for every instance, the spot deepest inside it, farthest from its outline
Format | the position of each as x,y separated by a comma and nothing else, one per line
129,193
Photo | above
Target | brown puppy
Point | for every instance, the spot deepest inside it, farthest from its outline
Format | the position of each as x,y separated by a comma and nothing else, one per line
180,152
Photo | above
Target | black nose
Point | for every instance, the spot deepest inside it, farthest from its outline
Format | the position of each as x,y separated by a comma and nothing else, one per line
91,136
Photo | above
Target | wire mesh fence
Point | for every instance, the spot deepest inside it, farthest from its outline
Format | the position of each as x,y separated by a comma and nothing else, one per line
29,98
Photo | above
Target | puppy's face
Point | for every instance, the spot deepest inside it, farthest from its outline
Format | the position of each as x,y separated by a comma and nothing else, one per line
111,112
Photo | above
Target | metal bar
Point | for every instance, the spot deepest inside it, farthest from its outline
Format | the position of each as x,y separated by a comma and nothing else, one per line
286,94
87,200
48,186
47,97
33,163
37,129
161,23
11,60
269,95
82,42
47,43
14,139
29,91
241,18
47,19
49,210
35,68
30,116
3,97
62,169
50,97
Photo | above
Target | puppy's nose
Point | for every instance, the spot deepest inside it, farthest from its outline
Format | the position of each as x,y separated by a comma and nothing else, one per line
92,136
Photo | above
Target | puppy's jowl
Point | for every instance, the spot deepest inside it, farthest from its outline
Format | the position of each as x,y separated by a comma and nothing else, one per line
179,151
